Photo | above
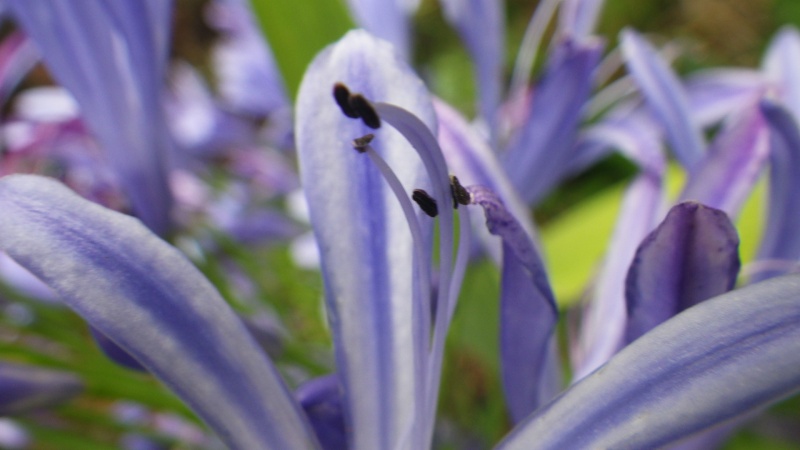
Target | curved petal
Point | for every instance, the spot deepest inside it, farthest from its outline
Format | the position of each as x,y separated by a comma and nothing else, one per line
579,17
603,327
602,332
366,246
633,135
146,297
707,365
27,388
321,399
730,169
112,57
386,19
782,66
471,159
716,93
781,241
480,23
666,97
114,352
541,151
692,256
528,313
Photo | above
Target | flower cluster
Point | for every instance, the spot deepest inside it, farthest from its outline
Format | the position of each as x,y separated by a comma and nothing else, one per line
673,345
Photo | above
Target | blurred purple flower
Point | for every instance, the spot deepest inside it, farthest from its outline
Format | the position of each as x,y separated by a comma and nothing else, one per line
721,175
26,388
249,81
112,57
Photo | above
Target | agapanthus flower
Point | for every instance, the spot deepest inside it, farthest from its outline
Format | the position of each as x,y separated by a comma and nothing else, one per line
365,152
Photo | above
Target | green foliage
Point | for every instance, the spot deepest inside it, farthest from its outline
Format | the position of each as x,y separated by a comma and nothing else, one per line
298,29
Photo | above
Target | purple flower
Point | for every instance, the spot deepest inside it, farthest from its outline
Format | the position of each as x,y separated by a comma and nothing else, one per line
112,58
706,365
27,388
721,174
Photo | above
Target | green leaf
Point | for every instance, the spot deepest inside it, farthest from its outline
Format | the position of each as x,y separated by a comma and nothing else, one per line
575,242
298,29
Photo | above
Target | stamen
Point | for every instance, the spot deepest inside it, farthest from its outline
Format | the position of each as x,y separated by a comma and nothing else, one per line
361,143
459,193
342,96
426,203
424,142
526,57
421,309
462,258
364,109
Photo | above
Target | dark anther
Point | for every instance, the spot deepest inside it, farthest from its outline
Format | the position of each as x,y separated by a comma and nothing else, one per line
361,106
459,193
426,203
360,144
342,96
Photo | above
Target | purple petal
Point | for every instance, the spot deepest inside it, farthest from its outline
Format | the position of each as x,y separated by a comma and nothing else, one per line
470,158
579,17
249,80
528,50
114,352
267,331
28,388
321,399
710,364
716,93
692,256
542,149
603,327
528,313
153,303
631,133
385,19
19,279
713,437
112,57
261,226
665,96
781,241
481,25
366,247
782,67
17,56
198,124
730,169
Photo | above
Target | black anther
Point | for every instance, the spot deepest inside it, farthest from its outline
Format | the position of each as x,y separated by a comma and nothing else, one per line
426,203
364,109
342,96
460,194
